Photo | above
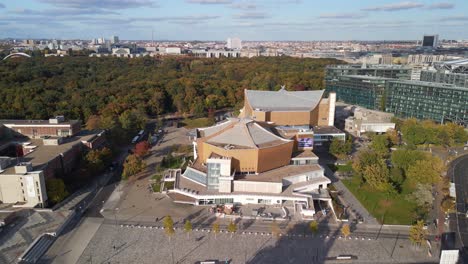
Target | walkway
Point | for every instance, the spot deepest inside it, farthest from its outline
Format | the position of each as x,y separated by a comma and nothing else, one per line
348,199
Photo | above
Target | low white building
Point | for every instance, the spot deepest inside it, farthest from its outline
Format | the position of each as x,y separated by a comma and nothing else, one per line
365,120
20,185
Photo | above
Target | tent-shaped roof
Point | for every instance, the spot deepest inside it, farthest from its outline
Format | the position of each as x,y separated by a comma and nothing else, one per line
242,133
283,100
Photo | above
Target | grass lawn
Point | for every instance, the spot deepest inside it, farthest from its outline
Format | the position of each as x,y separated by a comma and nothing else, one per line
395,210
198,122
341,168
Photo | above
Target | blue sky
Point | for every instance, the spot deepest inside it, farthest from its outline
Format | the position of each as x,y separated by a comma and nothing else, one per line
249,20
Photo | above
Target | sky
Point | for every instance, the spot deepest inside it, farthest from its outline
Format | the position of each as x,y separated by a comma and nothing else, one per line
305,20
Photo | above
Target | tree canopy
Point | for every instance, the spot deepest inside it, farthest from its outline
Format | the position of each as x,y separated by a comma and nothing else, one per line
80,87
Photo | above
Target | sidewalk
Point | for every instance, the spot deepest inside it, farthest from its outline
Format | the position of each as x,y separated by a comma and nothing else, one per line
348,199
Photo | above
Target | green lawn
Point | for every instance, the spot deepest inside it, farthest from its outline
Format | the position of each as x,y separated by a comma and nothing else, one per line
395,210
341,168
198,122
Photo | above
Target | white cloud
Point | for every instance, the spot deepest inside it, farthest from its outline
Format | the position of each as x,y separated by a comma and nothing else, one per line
251,15
442,5
395,7
105,4
343,16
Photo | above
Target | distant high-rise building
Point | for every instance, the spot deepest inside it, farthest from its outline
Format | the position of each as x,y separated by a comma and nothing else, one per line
101,41
114,39
430,41
234,43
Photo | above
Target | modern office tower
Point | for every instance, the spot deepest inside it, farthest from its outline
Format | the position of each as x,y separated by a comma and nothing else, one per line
430,41
426,100
386,71
101,41
114,39
457,79
365,91
234,43
450,72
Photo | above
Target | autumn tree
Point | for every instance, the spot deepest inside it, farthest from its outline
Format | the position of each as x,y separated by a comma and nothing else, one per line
345,230
392,136
188,227
417,233
275,229
427,171
232,228
215,228
141,148
448,204
168,224
313,226
133,165
377,176
97,159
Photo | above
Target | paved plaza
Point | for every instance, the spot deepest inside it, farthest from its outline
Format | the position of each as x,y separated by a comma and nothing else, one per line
137,244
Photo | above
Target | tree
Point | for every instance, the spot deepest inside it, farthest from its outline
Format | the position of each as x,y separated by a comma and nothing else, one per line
97,159
362,160
341,148
345,230
313,226
404,158
448,204
141,148
417,233
275,229
168,224
422,196
380,145
56,190
426,171
215,228
232,228
392,136
377,176
133,165
188,227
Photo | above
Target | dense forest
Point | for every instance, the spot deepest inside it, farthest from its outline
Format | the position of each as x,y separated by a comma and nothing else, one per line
82,87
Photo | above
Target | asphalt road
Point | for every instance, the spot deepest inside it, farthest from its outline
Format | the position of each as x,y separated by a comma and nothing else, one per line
460,178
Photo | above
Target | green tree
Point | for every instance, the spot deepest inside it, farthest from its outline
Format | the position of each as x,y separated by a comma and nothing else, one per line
56,190
448,204
404,158
364,159
380,145
313,226
168,224
426,171
339,148
417,233
377,176
392,135
232,228
215,228
188,227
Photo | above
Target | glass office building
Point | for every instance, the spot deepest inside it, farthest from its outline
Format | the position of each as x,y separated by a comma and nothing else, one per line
386,71
457,79
426,100
365,91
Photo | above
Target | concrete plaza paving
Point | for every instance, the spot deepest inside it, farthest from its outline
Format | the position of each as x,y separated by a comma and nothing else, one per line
121,244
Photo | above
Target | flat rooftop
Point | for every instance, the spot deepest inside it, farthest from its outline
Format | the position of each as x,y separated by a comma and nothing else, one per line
327,130
277,175
44,153
36,122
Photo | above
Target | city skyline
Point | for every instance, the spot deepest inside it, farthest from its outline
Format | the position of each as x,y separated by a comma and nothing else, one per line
219,19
